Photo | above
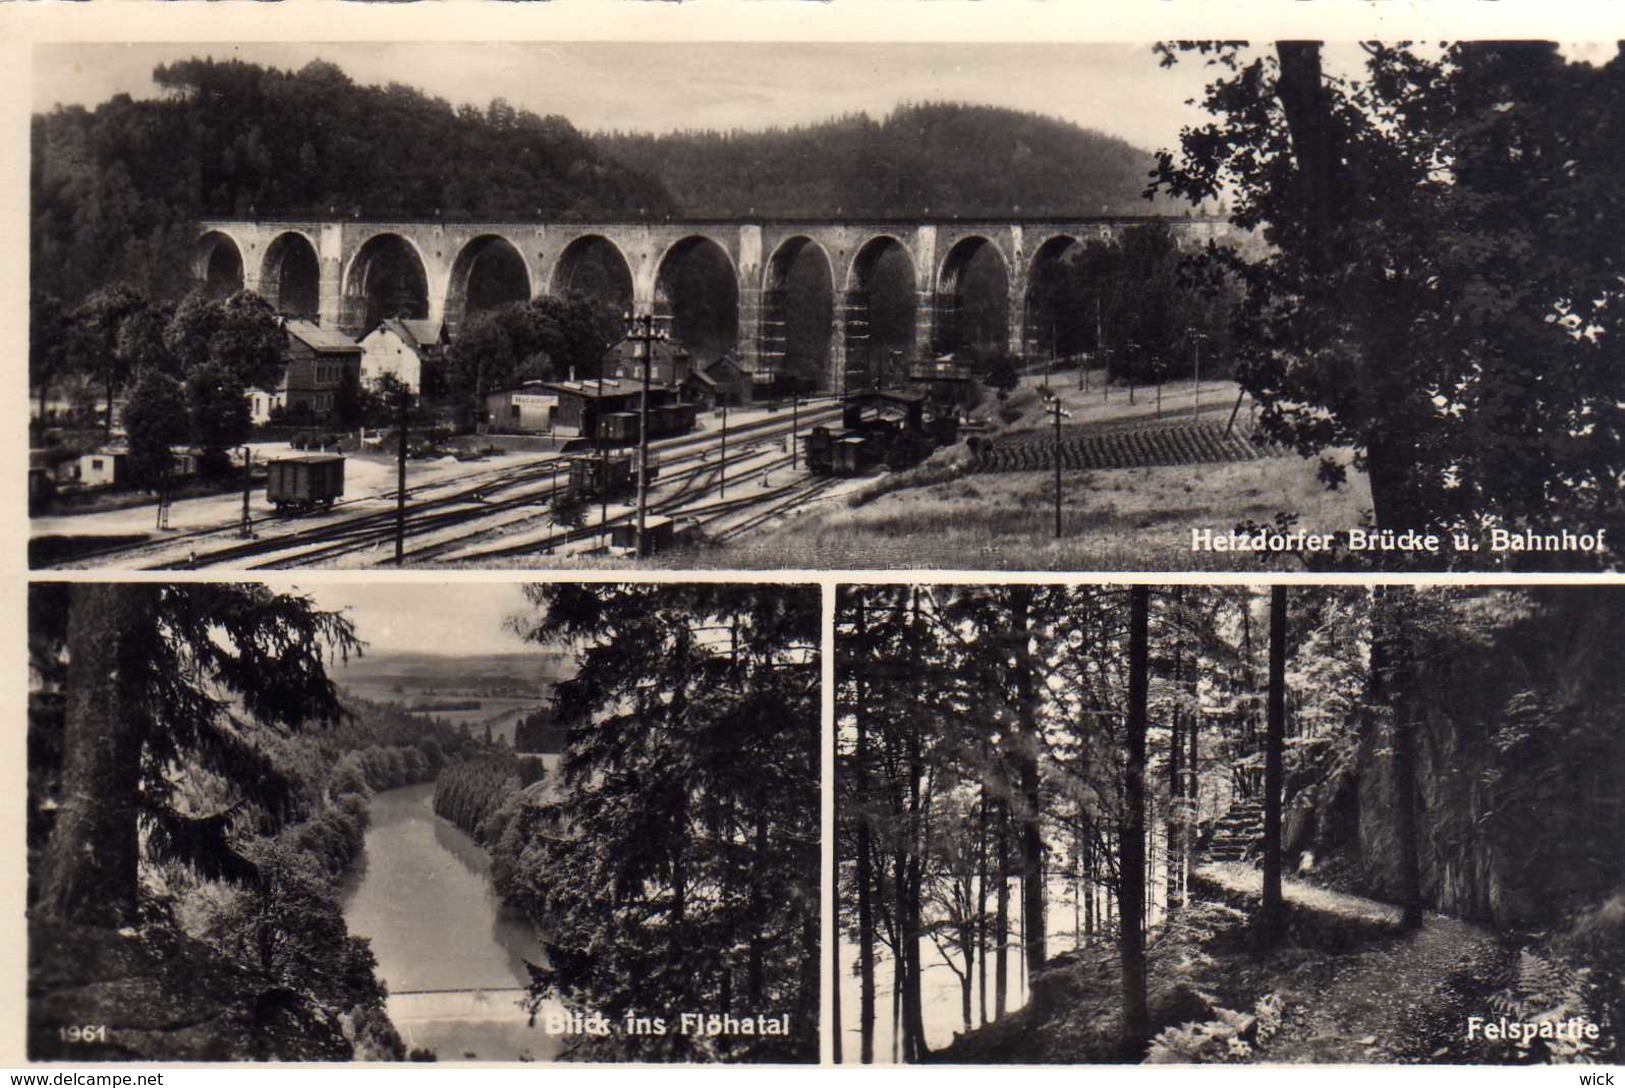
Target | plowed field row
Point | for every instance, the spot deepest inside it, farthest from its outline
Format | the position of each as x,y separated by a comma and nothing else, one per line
1189,442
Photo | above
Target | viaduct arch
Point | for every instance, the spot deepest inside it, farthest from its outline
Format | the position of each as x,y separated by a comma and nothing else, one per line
827,301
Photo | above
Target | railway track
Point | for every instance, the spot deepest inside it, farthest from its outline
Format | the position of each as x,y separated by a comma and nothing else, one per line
472,501
693,500
804,493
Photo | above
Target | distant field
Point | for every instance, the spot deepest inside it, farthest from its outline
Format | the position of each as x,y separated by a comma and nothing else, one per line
501,712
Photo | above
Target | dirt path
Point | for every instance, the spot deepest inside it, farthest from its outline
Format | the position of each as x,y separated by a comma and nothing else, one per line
1399,999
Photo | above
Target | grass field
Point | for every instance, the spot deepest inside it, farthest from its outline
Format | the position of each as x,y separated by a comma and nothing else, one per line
1112,519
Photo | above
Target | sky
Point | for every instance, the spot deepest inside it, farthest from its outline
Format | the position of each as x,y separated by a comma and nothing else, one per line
1118,89
425,617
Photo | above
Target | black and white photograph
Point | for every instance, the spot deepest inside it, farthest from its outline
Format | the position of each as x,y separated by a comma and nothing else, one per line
826,305
489,822
812,536
1204,824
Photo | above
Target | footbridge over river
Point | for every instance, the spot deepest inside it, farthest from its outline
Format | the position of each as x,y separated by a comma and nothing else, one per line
493,1025
812,297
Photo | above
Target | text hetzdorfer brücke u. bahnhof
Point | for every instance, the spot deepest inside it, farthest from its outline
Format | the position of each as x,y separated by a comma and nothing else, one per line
1392,540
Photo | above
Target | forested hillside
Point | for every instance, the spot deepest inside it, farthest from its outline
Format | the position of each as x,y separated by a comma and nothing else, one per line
935,158
116,189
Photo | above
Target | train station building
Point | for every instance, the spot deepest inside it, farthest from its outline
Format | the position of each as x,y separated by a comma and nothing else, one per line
574,409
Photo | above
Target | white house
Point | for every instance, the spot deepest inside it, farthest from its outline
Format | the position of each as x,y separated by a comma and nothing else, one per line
402,347
104,467
261,403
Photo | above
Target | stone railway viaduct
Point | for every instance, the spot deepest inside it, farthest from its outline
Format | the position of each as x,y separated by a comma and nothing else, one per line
348,272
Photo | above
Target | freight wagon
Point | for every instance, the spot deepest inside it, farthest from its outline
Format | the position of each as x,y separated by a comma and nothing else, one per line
301,484
659,533
608,476
665,420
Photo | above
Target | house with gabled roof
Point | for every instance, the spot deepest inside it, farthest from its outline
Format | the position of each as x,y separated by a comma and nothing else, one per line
320,362
409,349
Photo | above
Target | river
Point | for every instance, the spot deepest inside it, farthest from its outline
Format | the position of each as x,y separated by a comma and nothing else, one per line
450,952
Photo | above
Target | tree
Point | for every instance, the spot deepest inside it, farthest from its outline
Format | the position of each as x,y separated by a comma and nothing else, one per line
865,861
48,354
1001,374
160,677
494,349
576,333
679,868
99,322
1393,674
1131,837
544,339
155,418
225,347
1434,293
1271,911
289,925
568,510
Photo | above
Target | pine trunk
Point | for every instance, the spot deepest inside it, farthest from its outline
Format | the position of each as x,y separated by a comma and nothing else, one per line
981,903
865,875
1131,840
835,988
1270,912
1033,929
1001,917
89,872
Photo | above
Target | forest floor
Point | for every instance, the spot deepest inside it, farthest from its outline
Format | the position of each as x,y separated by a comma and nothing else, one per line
1401,999
1347,986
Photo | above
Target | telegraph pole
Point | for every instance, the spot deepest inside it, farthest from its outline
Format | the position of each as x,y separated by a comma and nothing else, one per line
400,478
603,464
722,464
1196,385
247,529
163,497
1053,406
795,409
644,335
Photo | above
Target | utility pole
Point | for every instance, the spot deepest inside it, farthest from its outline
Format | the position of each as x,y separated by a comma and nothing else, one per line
400,476
644,335
722,462
163,497
1052,405
603,466
1100,345
1196,384
795,408
247,529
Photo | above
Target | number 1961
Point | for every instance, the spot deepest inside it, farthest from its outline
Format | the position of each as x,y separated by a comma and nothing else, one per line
83,1033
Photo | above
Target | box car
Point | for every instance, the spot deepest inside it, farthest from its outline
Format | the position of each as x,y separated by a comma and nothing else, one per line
306,482
665,420
671,419
660,530
598,475
621,427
